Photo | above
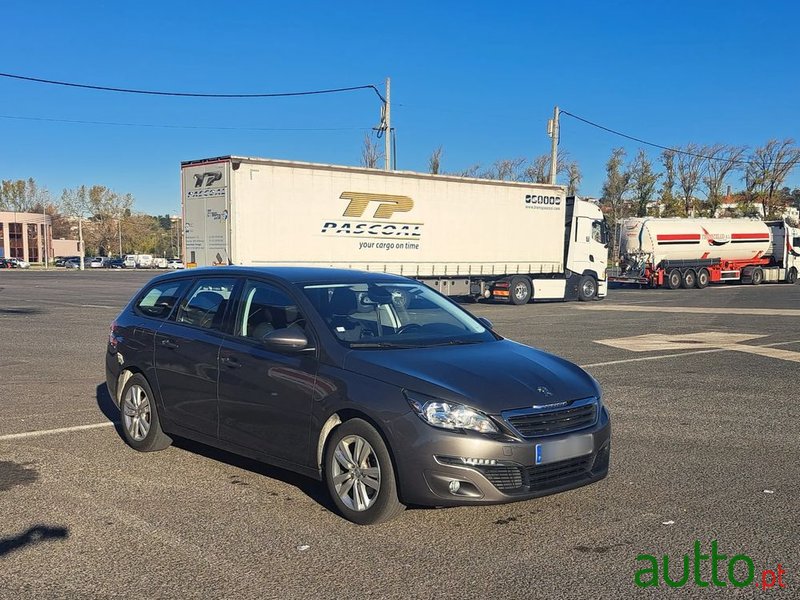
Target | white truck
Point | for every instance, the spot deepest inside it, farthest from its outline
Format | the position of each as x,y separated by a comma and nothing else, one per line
508,241
677,252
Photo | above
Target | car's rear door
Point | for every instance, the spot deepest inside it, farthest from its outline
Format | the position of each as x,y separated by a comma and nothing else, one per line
187,352
266,397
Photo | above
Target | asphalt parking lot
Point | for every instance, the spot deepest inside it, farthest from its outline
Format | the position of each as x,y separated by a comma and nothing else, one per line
701,385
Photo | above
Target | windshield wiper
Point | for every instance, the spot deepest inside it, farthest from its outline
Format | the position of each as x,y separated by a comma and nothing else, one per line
457,343
382,345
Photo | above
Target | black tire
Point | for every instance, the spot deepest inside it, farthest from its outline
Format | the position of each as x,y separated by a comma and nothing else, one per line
689,279
519,290
703,279
587,288
154,438
385,504
674,279
757,278
791,276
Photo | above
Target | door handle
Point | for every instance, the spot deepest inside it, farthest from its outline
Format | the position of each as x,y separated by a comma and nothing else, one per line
231,362
591,258
169,344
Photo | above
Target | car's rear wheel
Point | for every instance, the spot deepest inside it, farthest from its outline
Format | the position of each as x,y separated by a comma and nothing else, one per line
360,475
140,424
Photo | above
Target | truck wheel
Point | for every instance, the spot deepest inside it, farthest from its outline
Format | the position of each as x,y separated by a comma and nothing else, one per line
520,290
791,277
587,288
674,279
689,279
702,279
758,276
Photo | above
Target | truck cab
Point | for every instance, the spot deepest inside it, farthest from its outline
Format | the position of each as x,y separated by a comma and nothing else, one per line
586,247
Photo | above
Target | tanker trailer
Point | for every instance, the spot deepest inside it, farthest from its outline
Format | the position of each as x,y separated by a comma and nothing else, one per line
676,252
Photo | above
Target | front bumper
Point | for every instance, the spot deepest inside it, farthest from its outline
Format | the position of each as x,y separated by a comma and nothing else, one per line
506,469
602,289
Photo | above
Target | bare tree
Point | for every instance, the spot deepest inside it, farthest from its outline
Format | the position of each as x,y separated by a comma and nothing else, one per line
642,182
505,169
767,168
470,171
539,169
370,153
690,167
616,184
722,160
435,161
575,177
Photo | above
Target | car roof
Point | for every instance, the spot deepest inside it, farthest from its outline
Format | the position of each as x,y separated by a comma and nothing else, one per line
296,275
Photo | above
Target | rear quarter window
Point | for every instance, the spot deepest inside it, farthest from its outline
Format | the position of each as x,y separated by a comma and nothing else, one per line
159,300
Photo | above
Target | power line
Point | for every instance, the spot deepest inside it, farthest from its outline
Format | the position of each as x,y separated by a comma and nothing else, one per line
165,126
653,144
104,88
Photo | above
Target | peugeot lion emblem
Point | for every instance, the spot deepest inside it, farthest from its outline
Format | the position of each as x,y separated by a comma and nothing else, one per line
544,391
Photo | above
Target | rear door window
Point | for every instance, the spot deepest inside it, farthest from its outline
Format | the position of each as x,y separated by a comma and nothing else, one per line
266,308
158,301
206,303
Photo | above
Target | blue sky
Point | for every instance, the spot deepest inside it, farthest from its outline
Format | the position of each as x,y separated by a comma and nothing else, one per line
480,79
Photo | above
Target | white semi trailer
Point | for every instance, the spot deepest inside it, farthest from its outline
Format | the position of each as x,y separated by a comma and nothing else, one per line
676,252
465,237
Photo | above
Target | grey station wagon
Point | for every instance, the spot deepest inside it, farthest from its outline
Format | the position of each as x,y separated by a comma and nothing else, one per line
389,392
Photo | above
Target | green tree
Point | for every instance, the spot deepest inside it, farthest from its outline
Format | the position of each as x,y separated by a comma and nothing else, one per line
616,185
642,182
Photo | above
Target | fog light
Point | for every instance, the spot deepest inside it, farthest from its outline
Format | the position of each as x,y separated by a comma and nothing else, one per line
487,294
479,462
455,485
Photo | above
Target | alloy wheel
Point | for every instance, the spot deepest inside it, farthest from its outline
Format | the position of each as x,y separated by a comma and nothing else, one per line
356,473
136,413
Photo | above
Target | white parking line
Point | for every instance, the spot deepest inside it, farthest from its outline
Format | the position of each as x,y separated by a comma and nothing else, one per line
42,432
763,350
717,311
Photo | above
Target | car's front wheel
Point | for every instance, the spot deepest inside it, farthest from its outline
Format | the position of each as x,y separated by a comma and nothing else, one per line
140,424
360,475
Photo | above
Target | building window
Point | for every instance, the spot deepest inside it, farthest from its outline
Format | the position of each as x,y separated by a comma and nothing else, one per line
15,243
33,243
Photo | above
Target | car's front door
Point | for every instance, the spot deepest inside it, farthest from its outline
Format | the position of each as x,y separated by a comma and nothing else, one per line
265,397
187,353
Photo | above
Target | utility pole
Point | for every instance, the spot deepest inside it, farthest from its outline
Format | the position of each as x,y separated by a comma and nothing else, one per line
44,234
387,118
553,132
81,251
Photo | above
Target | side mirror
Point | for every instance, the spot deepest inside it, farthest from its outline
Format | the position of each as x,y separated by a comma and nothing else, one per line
290,339
486,323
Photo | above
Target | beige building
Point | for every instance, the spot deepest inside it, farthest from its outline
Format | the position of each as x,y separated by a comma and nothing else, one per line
26,235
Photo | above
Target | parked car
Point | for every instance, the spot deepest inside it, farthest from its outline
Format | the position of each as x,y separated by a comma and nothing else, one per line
5,264
62,260
18,263
175,263
130,261
75,262
144,261
98,262
376,384
159,263
116,263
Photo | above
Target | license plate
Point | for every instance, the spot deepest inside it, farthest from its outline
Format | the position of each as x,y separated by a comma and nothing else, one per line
571,447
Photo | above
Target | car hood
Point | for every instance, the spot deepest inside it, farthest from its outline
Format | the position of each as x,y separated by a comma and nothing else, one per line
491,377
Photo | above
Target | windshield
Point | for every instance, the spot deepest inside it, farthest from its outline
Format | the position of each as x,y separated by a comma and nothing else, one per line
392,315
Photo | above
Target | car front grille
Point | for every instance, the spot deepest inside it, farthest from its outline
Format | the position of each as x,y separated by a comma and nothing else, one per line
540,478
538,422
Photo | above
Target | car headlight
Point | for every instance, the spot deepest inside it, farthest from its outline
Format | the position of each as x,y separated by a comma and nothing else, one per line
449,415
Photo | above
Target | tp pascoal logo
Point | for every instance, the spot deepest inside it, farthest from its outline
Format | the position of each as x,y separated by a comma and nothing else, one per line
206,179
361,221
